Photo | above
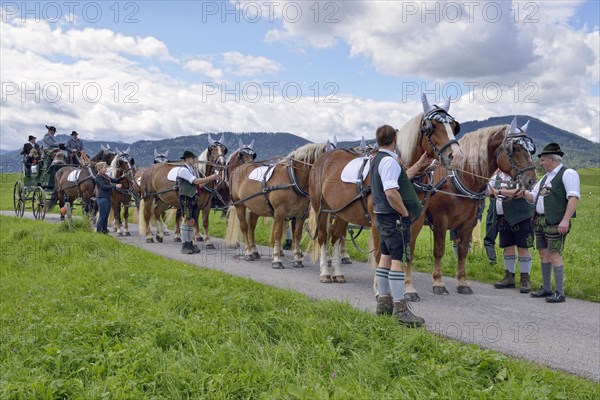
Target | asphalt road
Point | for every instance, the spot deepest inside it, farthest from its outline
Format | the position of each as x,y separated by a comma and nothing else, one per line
564,336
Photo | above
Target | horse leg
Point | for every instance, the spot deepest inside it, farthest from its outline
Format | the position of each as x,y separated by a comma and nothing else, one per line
205,217
297,227
338,231
322,240
343,253
439,242
159,209
278,221
177,230
252,220
461,274
410,293
146,216
240,210
126,218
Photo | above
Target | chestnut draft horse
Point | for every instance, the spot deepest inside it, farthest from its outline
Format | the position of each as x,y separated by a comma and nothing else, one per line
454,199
122,165
71,183
431,132
158,192
277,190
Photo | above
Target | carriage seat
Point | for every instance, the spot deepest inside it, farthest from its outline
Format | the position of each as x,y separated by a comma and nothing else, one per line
351,172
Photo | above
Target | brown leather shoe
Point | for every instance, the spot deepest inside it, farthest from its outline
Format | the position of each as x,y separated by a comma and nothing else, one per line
525,286
507,282
403,313
385,305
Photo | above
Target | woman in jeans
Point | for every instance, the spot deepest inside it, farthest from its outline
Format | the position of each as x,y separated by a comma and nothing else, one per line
104,188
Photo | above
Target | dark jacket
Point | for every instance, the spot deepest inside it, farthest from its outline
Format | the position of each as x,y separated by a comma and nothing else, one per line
27,148
104,185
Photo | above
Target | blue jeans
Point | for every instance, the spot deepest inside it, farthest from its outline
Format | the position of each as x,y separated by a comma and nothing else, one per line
103,209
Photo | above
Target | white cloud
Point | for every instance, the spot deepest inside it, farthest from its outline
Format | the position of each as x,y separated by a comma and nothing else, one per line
205,68
249,66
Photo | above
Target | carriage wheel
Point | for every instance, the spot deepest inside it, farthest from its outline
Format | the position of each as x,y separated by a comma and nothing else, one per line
18,199
38,203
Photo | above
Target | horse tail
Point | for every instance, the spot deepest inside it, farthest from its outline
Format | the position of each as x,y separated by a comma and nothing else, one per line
170,215
313,245
143,225
234,231
372,261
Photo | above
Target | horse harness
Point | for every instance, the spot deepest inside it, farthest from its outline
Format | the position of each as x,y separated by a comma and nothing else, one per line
267,189
440,115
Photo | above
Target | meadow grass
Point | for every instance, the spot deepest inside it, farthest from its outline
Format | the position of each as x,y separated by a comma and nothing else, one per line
86,316
581,256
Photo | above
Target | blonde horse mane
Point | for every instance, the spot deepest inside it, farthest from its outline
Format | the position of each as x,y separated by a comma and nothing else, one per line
112,169
407,138
474,146
202,161
308,153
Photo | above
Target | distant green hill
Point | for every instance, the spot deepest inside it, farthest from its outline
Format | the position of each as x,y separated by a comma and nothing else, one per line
579,152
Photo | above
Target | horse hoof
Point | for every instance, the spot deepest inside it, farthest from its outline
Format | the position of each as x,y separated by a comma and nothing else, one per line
412,297
464,289
177,239
255,256
248,257
127,234
339,279
298,264
199,239
441,290
325,279
210,246
149,240
120,234
167,234
346,260
277,265
159,239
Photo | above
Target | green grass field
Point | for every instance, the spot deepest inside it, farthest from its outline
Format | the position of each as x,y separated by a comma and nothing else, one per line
84,316
581,255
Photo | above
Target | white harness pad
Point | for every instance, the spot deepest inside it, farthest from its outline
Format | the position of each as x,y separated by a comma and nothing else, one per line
172,175
139,181
73,175
257,174
350,172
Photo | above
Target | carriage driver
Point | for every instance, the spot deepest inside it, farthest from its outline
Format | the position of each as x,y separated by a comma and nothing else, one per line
30,157
394,203
188,181
49,143
74,147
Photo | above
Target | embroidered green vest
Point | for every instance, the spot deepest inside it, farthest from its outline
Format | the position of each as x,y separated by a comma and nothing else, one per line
409,195
185,188
555,202
515,210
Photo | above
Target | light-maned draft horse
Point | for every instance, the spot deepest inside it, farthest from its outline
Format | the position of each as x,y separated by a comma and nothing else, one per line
277,190
122,165
453,197
350,200
71,183
211,190
159,192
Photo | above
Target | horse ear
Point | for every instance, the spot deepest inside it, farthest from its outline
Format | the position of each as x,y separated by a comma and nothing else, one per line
128,149
117,150
167,154
524,127
425,103
241,144
155,153
222,139
210,140
513,126
446,105
363,143
102,147
334,141
251,145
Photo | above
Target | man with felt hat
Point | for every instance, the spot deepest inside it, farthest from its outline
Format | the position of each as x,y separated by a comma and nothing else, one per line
555,198
31,154
74,146
188,182
50,145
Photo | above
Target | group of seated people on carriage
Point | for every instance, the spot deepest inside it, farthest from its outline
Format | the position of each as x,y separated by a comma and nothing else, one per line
36,156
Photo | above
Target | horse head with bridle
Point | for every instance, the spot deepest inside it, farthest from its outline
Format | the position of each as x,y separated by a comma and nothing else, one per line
158,192
347,196
278,190
122,166
455,199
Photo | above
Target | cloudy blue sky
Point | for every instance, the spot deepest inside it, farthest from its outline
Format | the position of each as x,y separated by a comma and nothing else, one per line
136,70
